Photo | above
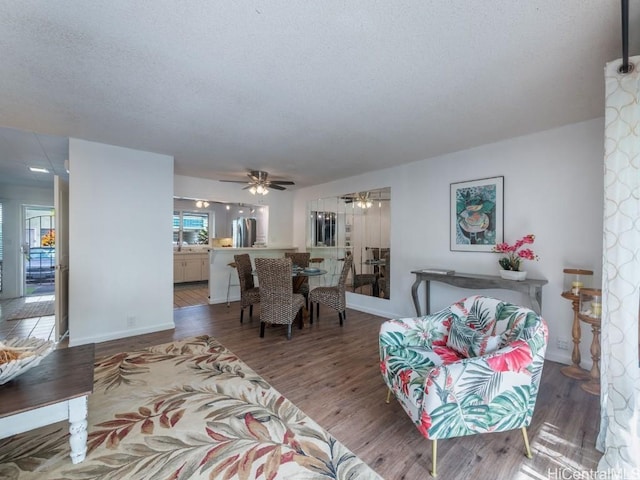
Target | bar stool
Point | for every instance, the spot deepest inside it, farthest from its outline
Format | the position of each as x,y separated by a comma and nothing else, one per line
229,284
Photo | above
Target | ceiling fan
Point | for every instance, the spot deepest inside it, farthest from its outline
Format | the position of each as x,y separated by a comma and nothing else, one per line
363,199
260,184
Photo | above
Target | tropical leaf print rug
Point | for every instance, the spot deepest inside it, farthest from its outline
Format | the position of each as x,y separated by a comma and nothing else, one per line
184,410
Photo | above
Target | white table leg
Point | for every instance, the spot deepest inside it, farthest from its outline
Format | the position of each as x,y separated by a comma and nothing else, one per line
78,428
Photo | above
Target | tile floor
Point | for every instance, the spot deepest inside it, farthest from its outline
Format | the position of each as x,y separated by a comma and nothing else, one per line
42,326
32,326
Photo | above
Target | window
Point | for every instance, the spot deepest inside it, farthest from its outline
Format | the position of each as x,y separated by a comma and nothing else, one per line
324,228
190,228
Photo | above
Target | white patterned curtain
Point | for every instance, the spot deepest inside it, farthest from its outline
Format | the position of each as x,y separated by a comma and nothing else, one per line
619,436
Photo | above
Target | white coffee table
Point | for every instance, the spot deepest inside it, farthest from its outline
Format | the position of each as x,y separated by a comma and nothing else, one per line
53,391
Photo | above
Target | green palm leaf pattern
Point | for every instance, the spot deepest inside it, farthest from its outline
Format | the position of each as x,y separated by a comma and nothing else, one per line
510,409
479,380
391,339
459,419
479,318
505,310
439,316
401,359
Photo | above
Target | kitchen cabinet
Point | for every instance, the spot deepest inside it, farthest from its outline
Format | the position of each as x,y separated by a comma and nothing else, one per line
190,267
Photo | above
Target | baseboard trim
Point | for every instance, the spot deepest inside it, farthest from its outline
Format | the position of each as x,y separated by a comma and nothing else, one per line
120,334
213,301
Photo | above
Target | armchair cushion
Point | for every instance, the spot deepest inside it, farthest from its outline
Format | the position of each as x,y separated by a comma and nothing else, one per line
470,342
448,394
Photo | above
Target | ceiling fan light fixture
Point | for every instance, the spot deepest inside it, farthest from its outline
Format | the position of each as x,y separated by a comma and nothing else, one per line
364,203
260,184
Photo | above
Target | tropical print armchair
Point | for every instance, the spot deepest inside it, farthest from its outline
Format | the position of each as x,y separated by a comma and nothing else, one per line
473,367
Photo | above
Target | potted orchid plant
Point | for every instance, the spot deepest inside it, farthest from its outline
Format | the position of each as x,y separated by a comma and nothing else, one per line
514,255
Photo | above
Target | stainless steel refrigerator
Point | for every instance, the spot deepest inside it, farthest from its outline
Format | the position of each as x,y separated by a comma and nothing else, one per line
244,232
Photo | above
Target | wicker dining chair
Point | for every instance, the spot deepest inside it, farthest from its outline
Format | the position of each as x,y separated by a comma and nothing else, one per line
301,259
362,279
249,293
375,256
334,296
384,281
317,262
278,304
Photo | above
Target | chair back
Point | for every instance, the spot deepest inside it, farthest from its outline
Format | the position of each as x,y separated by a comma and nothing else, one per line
361,279
348,262
385,275
276,289
301,259
492,316
375,256
245,275
375,252
384,268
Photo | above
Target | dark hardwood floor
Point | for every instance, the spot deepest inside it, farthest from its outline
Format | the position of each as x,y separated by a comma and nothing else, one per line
332,374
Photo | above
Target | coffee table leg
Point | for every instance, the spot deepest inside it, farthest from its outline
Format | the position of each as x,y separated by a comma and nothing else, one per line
78,428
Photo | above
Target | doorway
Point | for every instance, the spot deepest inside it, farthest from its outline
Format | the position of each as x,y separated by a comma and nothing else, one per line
38,251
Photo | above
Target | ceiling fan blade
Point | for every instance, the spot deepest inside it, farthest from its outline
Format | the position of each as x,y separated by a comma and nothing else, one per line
281,182
259,178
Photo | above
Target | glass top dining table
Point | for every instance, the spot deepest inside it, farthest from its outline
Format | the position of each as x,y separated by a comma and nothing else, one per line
300,274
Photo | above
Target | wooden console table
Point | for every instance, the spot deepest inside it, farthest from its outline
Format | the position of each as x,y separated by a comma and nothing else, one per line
530,286
53,391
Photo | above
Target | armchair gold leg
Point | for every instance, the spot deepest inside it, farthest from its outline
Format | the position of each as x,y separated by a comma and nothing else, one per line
526,442
388,396
434,457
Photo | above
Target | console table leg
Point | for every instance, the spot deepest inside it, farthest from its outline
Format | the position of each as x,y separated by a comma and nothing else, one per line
78,428
414,295
575,370
593,385
427,296
535,297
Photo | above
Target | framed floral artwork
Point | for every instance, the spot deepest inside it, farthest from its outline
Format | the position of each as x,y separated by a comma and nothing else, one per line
477,214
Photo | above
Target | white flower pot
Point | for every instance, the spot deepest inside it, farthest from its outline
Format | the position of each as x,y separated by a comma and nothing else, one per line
511,275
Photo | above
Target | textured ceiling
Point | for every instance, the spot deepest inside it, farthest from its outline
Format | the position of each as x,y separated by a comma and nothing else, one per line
308,91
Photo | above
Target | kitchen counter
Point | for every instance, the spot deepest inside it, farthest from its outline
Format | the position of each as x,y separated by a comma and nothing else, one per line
251,249
191,250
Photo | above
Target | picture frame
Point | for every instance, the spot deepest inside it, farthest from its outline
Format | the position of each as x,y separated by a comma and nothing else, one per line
477,214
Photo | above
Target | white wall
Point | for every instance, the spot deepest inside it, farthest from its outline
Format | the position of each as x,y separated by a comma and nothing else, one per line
121,255
13,198
280,203
553,189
